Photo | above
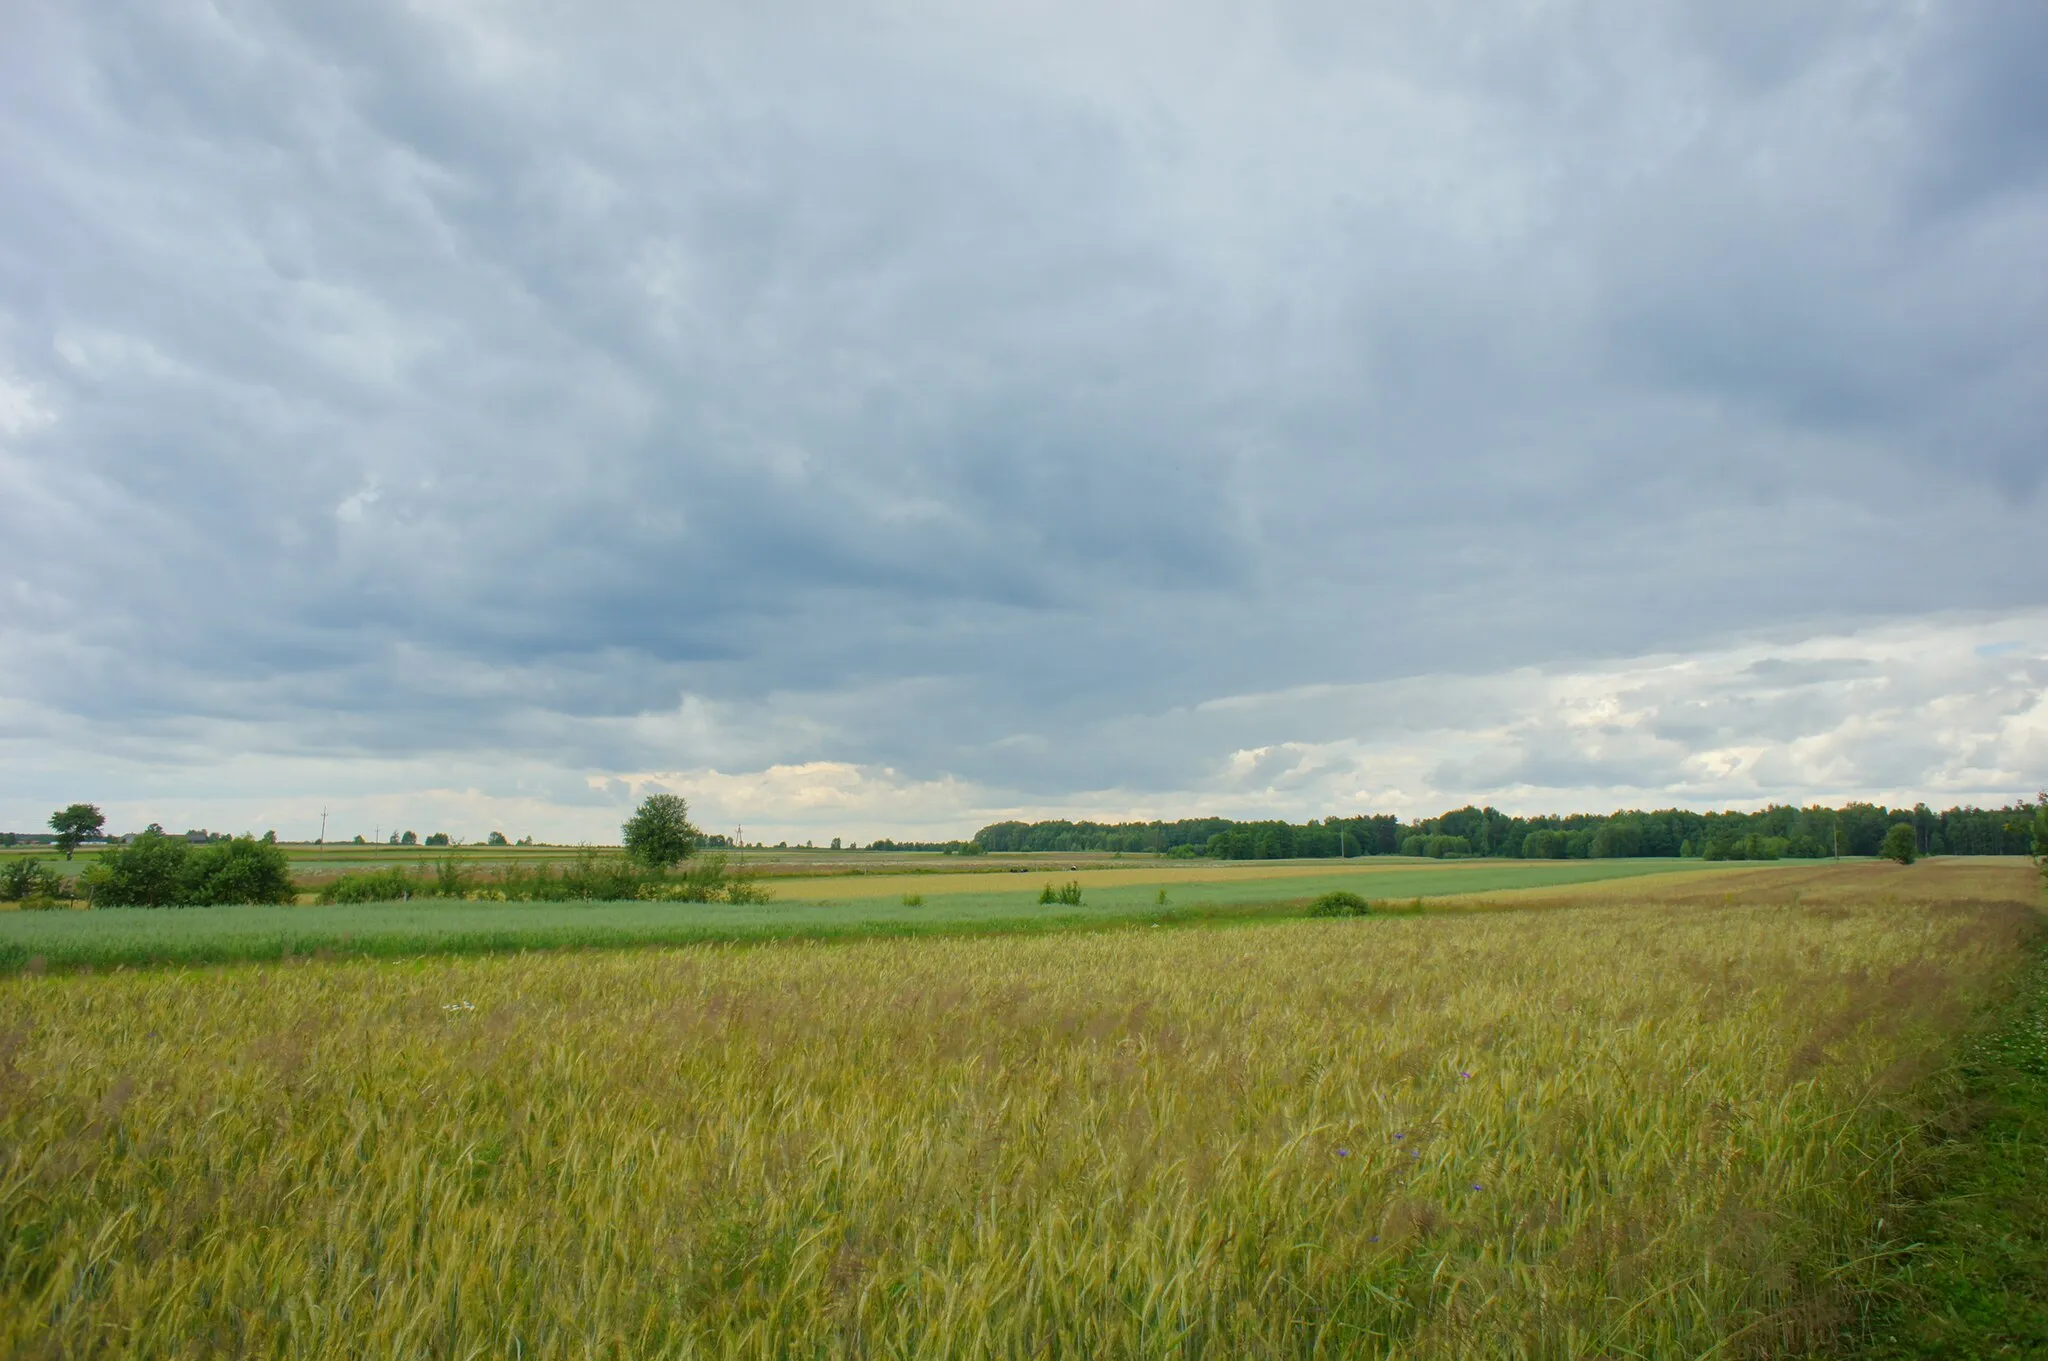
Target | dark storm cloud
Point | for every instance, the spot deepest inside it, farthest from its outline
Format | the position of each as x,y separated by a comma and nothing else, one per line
952,394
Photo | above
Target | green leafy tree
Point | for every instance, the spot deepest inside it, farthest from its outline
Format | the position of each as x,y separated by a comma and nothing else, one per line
437,838
238,871
659,833
147,872
74,824
1901,843
2041,835
495,839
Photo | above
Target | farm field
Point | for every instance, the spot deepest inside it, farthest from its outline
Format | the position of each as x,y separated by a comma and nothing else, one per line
804,907
1661,1117
841,873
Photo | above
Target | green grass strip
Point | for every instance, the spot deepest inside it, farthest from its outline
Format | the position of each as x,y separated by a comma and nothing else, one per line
141,937
1977,1284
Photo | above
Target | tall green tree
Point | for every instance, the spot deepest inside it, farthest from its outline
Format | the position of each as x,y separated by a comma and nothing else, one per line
659,832
74,824
2041,835
1901,843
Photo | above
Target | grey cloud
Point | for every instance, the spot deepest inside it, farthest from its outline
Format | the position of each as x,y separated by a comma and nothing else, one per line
903,389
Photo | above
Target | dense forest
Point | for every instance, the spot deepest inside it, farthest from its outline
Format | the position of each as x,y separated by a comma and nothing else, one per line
1777,832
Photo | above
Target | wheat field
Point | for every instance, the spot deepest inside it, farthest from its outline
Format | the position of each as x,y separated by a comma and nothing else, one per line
1641,1126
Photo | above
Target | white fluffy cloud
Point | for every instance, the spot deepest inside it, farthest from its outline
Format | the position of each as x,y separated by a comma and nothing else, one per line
1950,710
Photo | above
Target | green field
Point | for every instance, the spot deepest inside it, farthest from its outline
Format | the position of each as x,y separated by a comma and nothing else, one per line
995,902
1665,1116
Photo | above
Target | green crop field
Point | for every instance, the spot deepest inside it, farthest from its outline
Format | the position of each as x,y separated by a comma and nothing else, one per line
814,907
1656,1117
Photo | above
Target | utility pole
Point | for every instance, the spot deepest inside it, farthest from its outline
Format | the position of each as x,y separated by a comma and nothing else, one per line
739,839
323,828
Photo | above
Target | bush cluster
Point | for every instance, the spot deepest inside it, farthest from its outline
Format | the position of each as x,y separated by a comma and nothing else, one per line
27,881
1340,904
1068,893
155,870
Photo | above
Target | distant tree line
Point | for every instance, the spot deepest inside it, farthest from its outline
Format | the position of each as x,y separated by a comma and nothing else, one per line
943,847
1777,832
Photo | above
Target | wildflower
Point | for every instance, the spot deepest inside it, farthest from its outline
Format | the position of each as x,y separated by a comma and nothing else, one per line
1477,1187
458,1006
1343,1152
1464,1075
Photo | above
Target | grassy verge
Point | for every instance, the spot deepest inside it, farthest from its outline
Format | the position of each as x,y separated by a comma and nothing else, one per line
1977,1286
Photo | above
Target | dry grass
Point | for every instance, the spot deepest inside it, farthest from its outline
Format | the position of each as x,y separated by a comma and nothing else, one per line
1625,1130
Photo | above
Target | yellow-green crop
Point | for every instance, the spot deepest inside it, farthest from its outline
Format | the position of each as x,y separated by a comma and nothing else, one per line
1636,1128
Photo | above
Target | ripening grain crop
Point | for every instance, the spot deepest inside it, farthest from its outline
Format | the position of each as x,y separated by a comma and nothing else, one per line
1636,1128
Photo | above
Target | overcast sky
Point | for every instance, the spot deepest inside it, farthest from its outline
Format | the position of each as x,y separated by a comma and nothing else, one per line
880,420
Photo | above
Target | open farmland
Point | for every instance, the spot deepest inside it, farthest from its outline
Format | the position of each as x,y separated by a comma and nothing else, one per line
805,907
1673,1119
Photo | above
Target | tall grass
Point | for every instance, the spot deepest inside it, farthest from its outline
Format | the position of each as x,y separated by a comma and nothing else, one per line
1622,1130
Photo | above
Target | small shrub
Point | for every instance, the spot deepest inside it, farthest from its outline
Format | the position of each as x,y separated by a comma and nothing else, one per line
25,877
704,881
1339,903
450,879
1159,898
374,886
913,900
1068,893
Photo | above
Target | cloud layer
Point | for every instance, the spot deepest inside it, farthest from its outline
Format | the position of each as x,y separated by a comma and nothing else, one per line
919,411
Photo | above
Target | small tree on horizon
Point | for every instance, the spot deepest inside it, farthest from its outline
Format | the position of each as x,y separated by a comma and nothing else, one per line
1900,844
659,833
74,824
